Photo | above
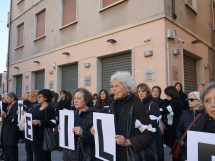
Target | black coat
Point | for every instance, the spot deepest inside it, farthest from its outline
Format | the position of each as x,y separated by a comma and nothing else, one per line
10,129
186,118
170,131
208,124
140,141
84,145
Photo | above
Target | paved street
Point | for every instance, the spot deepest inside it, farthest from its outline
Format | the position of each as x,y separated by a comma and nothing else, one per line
57,156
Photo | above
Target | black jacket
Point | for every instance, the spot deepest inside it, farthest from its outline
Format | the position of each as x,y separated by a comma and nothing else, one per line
84,145
208,124
121,111
10,129
186,118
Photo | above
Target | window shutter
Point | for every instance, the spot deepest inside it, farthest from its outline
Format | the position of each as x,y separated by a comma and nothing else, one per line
20,30
69,11
40,28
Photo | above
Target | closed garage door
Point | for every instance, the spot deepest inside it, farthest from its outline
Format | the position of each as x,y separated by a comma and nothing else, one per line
39,79
19,85
112,64
70,77
190,81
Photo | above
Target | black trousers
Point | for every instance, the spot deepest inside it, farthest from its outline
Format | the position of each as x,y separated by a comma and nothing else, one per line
29,151
39,154
11,153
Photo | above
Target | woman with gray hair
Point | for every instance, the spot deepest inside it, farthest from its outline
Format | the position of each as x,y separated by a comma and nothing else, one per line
187,117
208,98
134,133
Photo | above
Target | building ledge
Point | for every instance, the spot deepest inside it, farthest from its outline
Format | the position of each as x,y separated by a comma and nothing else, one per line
41,37
18,47
67,25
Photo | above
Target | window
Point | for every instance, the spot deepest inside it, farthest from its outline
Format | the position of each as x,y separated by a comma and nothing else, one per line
40,24
19,1
69,12
20,35
105,3
192,4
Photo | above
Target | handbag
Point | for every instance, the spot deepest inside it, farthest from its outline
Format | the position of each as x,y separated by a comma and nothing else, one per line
49,138
148,154
177,146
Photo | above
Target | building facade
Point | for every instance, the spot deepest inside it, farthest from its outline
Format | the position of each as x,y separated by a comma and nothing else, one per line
65,44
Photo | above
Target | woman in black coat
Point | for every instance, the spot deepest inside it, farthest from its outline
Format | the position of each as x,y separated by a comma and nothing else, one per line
187,117
84,140
43,116
103,100
130,114
173,113
182,95
10,129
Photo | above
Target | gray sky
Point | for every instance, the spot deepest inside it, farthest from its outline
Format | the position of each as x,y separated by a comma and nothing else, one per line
4,8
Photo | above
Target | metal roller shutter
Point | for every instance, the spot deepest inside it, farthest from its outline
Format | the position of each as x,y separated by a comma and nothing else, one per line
39,80
70,77
112,64
19,85
190,81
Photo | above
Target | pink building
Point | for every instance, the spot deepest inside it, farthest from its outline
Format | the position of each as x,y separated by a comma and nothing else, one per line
69,44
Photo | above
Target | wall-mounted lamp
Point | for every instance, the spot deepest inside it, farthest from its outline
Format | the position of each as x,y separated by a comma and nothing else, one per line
111,41
148,53
66,53
16,68
197,41
87,65
37,62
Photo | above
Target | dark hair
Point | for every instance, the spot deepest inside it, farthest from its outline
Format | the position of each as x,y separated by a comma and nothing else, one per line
87,96
107,96
95,95
68,95
63,91
171,91
47,94
12,95
144,87
180,85
159,89
55,95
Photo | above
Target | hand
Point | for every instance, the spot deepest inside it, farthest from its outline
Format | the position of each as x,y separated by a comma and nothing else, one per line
77,130
120,140
3,114
36,122
92,130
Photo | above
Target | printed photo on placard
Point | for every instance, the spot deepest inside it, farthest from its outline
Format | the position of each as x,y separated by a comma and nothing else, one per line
104,136
200,146
66,135
28,126
20,109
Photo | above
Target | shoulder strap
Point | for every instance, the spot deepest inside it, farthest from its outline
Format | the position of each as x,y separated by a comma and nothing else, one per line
190,126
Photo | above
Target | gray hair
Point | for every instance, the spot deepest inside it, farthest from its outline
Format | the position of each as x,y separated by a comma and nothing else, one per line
125,78
206,89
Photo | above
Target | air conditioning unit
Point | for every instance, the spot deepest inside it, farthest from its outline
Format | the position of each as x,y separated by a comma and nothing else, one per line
171,33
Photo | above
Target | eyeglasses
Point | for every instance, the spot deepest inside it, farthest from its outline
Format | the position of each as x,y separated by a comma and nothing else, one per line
40,96
191,99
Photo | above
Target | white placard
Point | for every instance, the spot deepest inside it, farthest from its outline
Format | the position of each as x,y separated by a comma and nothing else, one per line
20,109
200,146
28,126
213,158
66,135
105,143
1,108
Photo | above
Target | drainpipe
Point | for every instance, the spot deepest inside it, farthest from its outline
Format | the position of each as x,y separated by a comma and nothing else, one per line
8,51
174,16
212,78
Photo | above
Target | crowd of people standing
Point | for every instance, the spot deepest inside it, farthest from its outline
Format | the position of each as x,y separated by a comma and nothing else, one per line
144,122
